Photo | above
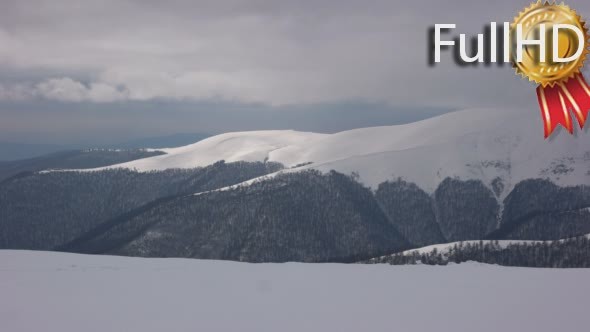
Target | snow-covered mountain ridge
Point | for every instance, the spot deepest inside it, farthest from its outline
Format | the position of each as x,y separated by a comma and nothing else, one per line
481,144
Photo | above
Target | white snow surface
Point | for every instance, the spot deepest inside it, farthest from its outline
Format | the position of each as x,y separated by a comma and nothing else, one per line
480,144
43,291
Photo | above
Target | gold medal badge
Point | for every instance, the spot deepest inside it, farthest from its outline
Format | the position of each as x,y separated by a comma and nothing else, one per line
562,87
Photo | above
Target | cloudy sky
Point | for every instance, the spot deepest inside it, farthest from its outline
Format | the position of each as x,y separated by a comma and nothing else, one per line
112,70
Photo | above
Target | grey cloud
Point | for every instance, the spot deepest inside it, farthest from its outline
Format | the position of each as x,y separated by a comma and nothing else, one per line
272,52
66,89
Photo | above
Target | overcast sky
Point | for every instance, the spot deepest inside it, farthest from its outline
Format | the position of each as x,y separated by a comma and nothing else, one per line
110,70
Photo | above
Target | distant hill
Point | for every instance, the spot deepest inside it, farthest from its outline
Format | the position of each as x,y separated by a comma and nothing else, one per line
75,159
17,151
11,151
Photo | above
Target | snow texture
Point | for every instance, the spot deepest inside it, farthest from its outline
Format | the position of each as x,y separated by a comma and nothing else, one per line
42,291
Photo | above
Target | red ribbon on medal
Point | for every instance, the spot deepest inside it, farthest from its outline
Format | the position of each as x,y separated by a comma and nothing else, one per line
558,100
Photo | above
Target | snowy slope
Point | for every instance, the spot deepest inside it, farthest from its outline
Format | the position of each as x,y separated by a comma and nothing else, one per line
446,247
472,144
239,146
52,292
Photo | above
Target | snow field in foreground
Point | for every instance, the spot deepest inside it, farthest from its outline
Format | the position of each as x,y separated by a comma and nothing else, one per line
44,291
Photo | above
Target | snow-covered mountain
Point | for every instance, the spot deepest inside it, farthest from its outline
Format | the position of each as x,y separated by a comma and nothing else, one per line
482,144
468,175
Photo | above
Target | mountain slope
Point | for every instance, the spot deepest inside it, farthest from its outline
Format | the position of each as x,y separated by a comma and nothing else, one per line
310,216
295,217
46,210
